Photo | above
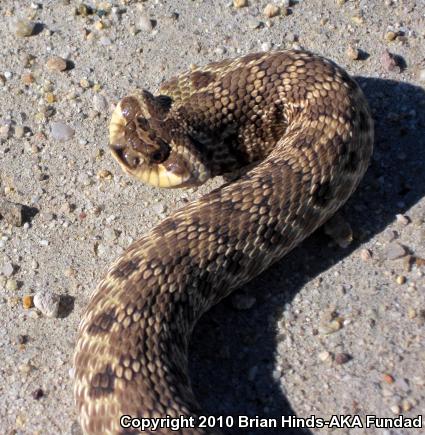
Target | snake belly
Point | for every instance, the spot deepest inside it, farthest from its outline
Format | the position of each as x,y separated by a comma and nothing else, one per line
303,129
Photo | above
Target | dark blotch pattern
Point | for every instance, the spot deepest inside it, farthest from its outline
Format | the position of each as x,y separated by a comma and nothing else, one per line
102,383
102,323
200,79
323,194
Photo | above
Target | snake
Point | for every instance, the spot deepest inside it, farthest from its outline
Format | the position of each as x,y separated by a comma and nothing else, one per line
297,131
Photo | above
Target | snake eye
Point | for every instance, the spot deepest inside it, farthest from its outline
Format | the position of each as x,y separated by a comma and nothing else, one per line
157,157
143,123
160,154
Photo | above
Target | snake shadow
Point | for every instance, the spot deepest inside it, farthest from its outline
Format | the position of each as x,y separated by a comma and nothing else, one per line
233,352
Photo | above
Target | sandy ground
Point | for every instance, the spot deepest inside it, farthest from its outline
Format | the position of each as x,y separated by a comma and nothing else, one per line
331,330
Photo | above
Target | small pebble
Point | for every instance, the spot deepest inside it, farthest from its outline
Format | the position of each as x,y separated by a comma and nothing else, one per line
99,25
352,53
266,46
411,313
22,339
420,262
271,10
242,301
7,269
5,131
331,327
84,83
61,132
408,262
26,368
11,285
395,409
254,24
220,50
418,380
421,75
406,405
56,63
11,212
145,24
49,97
240,3
357,19
390,36
27,302
24,28
47,302
390,235
27,79
400,279
394,251
104,174
324,356
71,373
365,254
84,10
342,358
110,234
37,394
402,220
19,131
389,61
99,103
70,272
387,378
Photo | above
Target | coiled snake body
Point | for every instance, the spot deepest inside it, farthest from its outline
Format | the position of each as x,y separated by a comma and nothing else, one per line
306,125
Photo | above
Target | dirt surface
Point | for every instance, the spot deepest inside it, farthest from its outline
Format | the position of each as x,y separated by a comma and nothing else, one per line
330,330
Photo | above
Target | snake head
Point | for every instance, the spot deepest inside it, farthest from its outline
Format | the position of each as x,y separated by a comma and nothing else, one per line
148,144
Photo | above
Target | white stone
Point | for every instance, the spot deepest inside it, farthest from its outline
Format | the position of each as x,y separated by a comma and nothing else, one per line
145,24
7,269
99,103
61,132
47,302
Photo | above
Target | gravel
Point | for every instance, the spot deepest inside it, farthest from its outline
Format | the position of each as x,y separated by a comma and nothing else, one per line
11,212
7,269
145,24
394,251
65,192
47,302
56,63
61,131
24,28
100,103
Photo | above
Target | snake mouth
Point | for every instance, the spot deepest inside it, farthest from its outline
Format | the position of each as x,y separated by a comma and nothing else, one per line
139,152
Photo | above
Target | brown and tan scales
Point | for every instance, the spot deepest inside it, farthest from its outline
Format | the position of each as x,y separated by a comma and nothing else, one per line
305,126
